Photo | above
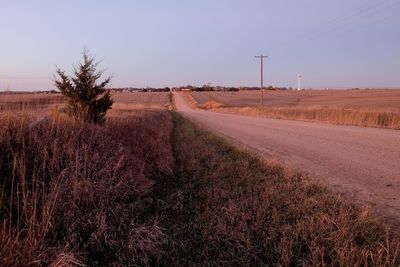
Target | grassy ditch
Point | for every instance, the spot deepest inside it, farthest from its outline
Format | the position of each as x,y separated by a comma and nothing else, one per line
229,207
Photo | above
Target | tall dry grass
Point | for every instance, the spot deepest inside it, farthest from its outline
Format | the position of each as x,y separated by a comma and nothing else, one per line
32,105
28,102
378,119
147,190
227,207
75,193
336,115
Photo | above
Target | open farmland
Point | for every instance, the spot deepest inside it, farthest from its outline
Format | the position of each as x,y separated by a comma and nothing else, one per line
29,100
149,188
41,104
374,108
34,104
365,100
135,133
141,100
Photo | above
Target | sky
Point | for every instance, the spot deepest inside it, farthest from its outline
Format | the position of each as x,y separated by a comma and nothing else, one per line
158,43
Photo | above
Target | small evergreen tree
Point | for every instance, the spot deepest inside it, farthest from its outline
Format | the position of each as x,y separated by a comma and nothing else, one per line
88,100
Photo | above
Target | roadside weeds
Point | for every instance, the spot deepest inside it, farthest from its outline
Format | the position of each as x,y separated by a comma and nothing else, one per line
340,116
152,189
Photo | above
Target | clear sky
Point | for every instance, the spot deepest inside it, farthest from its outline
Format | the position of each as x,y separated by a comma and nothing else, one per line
335,44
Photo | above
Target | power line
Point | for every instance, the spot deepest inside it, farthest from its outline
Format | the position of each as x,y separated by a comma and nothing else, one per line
346,22
261,57
370,9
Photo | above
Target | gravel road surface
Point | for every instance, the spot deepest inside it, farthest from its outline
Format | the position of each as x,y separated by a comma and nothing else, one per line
360,163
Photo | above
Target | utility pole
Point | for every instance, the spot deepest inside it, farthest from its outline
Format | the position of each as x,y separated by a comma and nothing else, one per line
261,57
209,90
299,82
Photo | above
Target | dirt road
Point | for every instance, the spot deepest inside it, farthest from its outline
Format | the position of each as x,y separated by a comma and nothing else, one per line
361,163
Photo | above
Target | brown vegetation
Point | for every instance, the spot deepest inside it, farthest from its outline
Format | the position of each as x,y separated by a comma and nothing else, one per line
212,105
75,192
149,188
328,115
148,100
231,208
34,104
190,99
370,108
363,100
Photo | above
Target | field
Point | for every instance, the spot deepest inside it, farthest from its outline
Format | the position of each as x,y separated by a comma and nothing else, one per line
374,108
363,100
24,103
149,188
149,100
39,105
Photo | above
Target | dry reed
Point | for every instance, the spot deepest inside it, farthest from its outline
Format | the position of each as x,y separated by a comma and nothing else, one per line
75,193
378,119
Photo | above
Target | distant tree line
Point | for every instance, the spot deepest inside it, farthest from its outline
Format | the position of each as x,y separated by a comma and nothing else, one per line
225,88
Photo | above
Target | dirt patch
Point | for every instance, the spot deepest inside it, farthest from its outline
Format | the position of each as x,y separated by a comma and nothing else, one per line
190,99
212,105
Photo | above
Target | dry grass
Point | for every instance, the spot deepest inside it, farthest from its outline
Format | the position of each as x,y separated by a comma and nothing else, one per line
388,120
75,192
363,100
149,188
212,105
32,104
147,100
231,208
190,99
29,100
368,108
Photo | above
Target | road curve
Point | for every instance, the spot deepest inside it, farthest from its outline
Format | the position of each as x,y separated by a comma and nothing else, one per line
361,163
